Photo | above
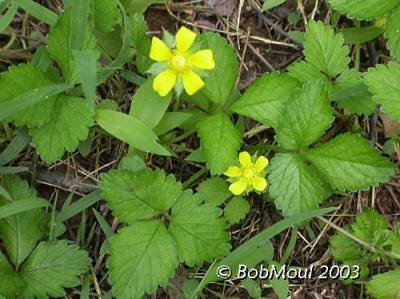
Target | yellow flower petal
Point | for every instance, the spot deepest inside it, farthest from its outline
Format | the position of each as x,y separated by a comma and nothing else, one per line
261,163
233,172
203,59
245,159
259,183
164,82
192,82
184,39
238,187
159,51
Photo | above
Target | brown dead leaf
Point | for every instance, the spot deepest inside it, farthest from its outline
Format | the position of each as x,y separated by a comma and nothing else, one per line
391,127
223,7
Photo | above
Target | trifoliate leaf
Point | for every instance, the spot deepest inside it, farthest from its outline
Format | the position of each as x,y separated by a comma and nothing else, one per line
21,232
142,257
139,196
384,83
344,249
367,224
107,15
263,100
69,125
215,89
53,266
325,49
385,286
393,33
236,210
359,165
305,118
22,79
295,186
11,282
220,142
364,9
198,230
60,47
359,102
214,190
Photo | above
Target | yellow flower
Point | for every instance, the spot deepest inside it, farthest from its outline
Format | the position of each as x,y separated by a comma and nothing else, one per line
180,63
249,176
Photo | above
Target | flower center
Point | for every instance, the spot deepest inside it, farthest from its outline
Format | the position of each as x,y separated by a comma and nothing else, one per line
178,63
248,173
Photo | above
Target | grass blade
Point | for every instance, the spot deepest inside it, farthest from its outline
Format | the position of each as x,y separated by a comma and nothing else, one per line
38,11
20,206
15,147
7,18
8,108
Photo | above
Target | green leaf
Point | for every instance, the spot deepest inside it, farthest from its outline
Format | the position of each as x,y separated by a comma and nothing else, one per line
142,257
107,15
38,11
364,9
21,232
16,207
198,230
214,190
325,49
86,64
170,121
354,93
24,82
305,118
130,130
344,249
263,100
384,83
18,143
7,18
393,33
53,266
359,165
215,89
236,210
70,123
220,142
252,288
140,196
367,224
295,186
360,35
139,6
60,44
11,282
268,4
385,286
148,106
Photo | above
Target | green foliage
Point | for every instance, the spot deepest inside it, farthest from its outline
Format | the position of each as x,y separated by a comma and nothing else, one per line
383,82
195,232
220,141
264,98
69,124
385,286
214,190
364,9
236,210
392,33
305,118
325,50
53,266
107,15
372,229
35,270
295,186
350,155
215,89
